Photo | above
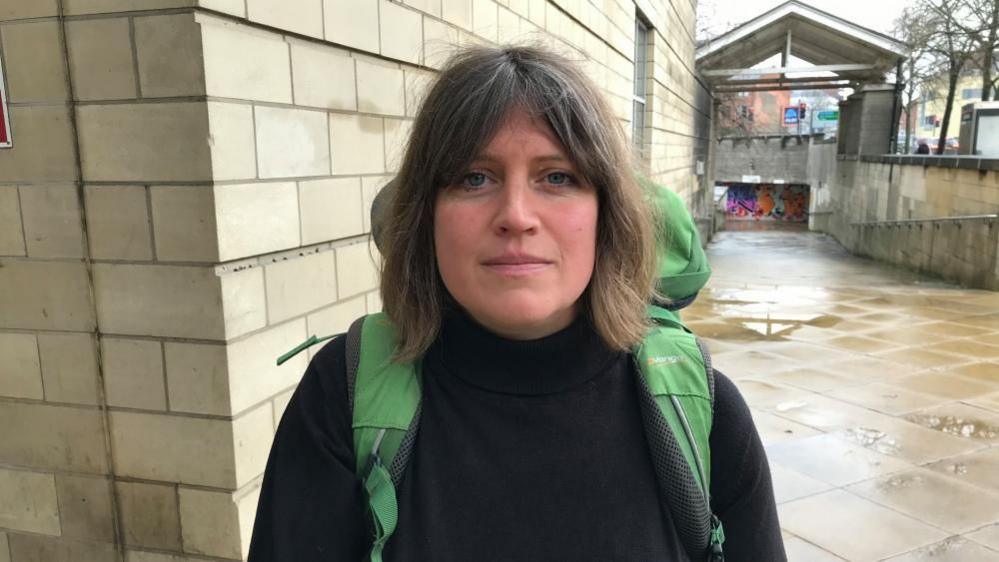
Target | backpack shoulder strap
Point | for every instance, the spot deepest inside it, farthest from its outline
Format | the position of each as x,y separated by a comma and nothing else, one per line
385,401
676,390
352,352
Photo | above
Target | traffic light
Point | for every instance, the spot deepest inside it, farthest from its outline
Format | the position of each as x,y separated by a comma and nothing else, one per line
801,111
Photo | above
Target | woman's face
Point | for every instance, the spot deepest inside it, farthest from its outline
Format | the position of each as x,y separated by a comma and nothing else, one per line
516,236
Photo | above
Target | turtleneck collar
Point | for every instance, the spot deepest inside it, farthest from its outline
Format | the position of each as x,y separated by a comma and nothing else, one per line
554,363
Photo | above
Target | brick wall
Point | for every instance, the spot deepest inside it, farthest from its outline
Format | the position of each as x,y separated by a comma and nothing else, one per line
187,198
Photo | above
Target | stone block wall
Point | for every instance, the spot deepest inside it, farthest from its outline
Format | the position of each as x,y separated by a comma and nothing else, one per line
127,425
866,120
187,198
880,189
56,495
681,108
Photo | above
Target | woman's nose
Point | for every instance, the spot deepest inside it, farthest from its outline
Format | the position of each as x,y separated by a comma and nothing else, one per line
516,212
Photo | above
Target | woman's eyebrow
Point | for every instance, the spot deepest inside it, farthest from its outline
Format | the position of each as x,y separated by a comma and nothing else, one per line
556,158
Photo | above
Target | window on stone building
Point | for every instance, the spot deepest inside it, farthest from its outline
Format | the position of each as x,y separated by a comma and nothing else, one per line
640,96
971,93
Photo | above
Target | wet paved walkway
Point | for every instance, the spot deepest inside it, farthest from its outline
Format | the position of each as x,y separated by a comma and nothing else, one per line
875,391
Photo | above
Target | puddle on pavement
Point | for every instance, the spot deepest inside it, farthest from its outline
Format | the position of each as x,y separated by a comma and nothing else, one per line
790,405
899,481
770,329
786,295
766,327
957,425
958,468
824,321
768,314
952,549
874,439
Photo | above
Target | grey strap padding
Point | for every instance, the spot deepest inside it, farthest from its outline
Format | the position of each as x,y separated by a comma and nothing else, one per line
398,466
708,369
678,487
353,355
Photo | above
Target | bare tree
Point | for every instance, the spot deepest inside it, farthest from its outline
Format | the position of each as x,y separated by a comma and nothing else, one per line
710,21
984,28
947,40
919,68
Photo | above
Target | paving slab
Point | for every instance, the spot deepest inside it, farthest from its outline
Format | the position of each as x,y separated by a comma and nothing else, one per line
953,549
874,389
855,528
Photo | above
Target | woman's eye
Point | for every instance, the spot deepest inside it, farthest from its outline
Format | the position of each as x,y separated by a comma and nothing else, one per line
475,179
559,178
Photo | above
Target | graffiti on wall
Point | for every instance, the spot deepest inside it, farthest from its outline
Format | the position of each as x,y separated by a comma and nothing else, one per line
767,202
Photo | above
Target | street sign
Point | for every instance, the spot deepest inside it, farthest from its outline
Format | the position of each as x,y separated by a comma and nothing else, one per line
828,115
6,141
790,115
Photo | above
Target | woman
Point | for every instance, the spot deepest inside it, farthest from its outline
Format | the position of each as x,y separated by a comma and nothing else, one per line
518,261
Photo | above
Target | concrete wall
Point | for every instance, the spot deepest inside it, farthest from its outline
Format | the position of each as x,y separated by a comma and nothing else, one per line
848,191
187,198
865,125
821,172
777,157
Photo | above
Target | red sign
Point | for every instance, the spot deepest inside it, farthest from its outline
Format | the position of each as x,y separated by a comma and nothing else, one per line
5,137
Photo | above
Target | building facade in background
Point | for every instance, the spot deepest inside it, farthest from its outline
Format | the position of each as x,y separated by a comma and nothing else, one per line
766,112
186,198
927,113
751,113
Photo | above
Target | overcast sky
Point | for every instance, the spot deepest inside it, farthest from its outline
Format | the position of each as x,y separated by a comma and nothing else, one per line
874,14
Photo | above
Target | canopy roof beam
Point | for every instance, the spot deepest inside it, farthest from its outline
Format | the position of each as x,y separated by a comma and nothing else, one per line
789,70
806,86
778,81
785,58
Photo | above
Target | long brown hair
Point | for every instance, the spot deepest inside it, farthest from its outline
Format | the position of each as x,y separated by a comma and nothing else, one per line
469,100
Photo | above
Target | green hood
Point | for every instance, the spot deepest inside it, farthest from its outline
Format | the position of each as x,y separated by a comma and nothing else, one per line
683,266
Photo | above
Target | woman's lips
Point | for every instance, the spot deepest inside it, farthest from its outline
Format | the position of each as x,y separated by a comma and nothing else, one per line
517,269
515,266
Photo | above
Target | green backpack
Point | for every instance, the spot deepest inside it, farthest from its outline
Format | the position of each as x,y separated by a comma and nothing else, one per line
676,394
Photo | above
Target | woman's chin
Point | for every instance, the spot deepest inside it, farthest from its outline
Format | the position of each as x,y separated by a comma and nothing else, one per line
525,322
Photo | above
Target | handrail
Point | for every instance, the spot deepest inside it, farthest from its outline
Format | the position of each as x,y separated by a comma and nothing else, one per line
933,220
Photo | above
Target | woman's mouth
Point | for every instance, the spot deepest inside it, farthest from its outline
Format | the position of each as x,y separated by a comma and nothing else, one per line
516,264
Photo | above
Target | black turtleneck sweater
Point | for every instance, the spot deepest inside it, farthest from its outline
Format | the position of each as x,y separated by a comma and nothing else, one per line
527,450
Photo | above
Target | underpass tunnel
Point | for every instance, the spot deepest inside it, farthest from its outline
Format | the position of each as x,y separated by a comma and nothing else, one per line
762,206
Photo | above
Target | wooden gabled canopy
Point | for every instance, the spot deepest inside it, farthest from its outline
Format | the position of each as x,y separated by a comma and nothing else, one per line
843,53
